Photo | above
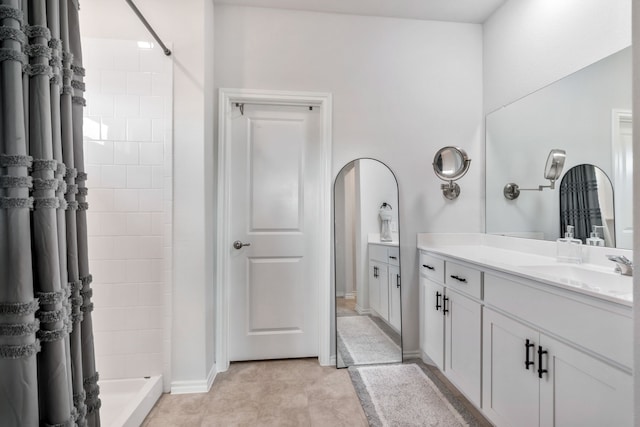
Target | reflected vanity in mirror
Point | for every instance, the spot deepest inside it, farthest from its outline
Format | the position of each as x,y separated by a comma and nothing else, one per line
367,265
450,164
588,115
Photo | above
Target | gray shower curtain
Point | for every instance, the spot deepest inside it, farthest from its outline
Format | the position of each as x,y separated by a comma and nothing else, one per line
579,203
47,368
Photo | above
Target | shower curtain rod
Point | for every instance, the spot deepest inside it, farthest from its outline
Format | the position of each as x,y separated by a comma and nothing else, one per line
146,24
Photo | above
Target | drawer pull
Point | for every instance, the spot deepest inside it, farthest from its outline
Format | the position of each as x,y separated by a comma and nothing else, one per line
428,267
375,271
438,305
459,279
540,353
397,280
528,361
393,257
445,310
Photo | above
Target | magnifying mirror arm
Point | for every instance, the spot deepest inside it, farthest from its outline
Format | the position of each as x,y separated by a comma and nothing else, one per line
511,191
540,187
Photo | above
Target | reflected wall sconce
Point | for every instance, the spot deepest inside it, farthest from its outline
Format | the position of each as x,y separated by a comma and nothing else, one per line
552,171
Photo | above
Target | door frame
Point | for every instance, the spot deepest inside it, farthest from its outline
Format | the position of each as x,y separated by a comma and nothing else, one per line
226,100
619,117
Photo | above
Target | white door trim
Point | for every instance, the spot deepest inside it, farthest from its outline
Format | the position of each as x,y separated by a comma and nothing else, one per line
226,101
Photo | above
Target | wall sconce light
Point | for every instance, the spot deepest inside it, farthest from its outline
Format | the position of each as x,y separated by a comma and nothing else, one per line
450,164
552,171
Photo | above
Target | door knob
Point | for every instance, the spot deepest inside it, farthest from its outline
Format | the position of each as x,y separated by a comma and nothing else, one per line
238,244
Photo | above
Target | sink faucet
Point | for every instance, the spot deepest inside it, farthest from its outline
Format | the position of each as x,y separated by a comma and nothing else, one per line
623,265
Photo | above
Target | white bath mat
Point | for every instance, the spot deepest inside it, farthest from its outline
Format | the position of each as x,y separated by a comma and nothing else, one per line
363,342
403,395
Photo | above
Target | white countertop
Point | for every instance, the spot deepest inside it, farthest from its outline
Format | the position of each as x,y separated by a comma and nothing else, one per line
535,259
374,239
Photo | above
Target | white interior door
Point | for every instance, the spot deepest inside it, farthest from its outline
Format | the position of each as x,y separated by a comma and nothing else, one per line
273,284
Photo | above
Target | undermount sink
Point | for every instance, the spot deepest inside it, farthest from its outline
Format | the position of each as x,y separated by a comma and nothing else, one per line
596,279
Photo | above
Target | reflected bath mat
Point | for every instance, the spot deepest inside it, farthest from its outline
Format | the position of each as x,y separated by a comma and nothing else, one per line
403,395
361,342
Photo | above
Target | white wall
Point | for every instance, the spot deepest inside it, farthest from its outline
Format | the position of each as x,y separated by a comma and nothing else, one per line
401,89
181,25
531,43
127,140
377,185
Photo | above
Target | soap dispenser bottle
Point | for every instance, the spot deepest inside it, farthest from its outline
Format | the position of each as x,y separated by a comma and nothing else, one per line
595,239
569,249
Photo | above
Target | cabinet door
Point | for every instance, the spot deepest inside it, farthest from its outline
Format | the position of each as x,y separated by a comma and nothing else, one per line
394,297
463,344
509,391
379,288
434,322
579,390
384,292
374,285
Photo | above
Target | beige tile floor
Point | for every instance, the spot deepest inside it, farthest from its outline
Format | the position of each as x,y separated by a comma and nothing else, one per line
295,392
346,306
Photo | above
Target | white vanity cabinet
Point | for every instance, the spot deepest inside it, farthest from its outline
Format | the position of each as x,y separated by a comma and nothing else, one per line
451,323
384,283
524,351
532,378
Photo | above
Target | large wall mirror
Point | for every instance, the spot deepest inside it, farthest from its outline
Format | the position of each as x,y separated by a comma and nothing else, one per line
588,115
367,265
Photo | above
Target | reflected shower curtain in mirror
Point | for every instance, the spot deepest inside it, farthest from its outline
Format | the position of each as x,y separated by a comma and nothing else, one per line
47,368
579,204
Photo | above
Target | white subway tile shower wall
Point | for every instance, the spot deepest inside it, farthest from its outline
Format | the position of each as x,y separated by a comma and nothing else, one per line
127,133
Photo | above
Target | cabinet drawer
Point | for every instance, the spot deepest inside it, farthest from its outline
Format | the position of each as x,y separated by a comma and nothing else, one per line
393,255
587,323
378,253
432,267
464,279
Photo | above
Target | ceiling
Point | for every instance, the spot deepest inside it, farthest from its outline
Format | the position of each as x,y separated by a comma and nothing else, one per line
471,11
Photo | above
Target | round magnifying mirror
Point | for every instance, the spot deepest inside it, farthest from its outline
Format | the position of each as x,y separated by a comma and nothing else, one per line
555,163
450,163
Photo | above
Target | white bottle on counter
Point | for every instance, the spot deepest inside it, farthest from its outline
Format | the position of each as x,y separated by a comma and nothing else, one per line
569,249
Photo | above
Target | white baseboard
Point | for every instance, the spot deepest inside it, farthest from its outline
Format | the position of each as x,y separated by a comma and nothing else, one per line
362,311
332,360
411,354
212,376
350,295
194,386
